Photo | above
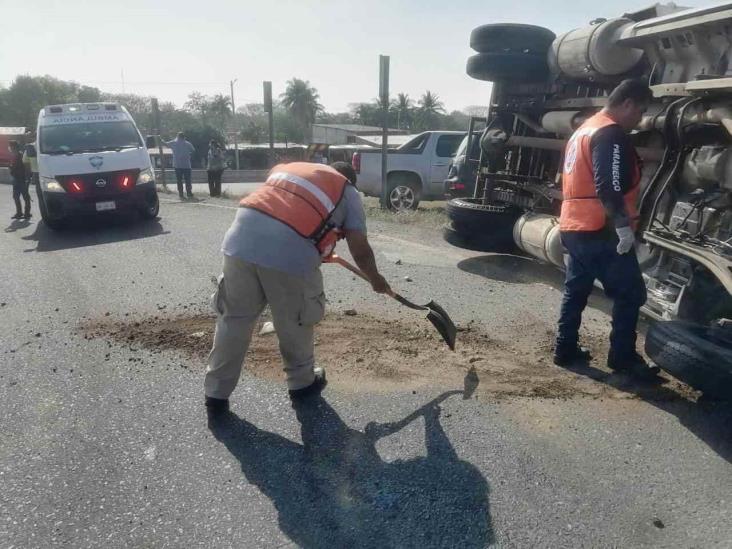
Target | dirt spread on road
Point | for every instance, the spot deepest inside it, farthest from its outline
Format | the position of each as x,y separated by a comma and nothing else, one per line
363,353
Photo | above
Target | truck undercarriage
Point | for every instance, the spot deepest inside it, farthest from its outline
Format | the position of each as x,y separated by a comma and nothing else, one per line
545,86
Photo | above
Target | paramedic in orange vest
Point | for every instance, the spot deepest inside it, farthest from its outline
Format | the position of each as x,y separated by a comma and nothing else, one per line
600,187
272,256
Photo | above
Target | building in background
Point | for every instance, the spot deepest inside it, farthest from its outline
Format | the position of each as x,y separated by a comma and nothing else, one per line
348,134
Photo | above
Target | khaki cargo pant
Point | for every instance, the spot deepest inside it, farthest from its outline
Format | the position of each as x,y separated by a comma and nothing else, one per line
244,290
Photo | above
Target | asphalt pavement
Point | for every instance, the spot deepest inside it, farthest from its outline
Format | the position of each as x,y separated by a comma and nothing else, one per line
108,446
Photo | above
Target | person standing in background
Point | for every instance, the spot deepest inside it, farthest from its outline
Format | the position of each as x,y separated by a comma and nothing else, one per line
215,165
30,158
182,152
20,182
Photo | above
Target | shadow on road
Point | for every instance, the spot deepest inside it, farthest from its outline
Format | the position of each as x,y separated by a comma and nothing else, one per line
516,269
334,490
709,421
16,225
93,231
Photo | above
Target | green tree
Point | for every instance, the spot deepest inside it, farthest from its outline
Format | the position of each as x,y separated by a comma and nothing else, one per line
197,104
219,108
27,95
301,101
429,110
404,107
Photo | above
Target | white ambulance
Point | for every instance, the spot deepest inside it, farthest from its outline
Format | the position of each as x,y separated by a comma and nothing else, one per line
92,159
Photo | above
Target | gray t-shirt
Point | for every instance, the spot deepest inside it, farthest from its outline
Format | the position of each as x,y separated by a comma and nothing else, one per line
182,151
257,238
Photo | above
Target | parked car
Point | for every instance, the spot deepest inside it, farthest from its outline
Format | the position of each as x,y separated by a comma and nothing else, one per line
415,171
463,170
547,87
92,159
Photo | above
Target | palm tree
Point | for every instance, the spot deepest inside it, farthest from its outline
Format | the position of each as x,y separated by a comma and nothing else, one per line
301,100
403,106
430,103
430,107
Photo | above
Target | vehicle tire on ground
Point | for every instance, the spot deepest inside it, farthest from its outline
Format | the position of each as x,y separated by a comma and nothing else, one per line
483,227
151,209
508,66
695,354
502,37
53,223
404,193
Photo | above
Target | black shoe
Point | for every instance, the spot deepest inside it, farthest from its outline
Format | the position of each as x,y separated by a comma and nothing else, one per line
313,389
190,195
217,405
579,355
632,364
181,196
28,215
17,216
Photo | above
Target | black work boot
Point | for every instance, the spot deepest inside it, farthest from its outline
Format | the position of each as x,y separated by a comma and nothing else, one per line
577,356
313,389
632,364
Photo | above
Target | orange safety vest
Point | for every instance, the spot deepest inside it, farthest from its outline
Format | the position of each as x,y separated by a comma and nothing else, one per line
303,196
581,208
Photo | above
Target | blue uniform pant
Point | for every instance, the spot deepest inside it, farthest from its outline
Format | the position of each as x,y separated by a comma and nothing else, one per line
593,257
182,174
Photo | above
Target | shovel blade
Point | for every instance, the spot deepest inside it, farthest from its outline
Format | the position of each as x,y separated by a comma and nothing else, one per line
443,323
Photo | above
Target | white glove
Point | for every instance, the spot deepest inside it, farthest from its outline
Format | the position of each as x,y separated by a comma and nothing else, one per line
626,239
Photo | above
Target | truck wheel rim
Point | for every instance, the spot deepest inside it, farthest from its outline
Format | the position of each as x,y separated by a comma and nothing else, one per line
402,197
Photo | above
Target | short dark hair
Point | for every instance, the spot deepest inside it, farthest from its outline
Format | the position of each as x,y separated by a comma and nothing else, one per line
346,170
181,134
13,144
634,89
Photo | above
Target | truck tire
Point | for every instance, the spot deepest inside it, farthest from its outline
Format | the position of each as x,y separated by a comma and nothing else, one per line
483,227
508,66
404,193
502,37
695,354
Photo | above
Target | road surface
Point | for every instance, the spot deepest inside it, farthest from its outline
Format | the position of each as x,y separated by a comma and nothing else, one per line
105,442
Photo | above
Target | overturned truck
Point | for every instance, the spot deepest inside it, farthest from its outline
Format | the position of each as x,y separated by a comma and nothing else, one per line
544,87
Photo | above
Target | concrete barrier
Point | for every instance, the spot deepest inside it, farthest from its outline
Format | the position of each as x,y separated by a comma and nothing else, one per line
5,176
229,176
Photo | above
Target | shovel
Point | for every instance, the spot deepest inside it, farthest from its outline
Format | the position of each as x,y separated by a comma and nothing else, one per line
436,315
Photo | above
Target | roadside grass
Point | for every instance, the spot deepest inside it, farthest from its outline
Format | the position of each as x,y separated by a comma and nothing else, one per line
431,214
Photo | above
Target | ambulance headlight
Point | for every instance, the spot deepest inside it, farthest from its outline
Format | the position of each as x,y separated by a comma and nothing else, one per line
146,176
50,185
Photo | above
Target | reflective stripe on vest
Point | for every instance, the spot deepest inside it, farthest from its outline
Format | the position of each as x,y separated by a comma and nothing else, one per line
302,195
582,210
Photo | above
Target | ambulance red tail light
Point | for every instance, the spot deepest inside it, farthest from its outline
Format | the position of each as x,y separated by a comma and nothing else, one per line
75,186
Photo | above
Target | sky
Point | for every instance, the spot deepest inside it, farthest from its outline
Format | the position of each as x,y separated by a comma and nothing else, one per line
171,48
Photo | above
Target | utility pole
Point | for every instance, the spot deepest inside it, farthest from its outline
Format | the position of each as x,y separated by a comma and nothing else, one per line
384,100
268,109
233,113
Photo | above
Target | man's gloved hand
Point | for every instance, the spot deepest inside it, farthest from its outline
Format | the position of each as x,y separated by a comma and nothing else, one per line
626,239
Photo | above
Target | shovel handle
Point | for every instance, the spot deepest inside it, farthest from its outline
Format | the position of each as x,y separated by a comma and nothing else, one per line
358,272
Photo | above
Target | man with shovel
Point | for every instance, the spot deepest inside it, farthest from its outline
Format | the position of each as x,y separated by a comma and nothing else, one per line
272,256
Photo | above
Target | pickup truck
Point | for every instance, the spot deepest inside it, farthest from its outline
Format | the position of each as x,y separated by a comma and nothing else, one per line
415,171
